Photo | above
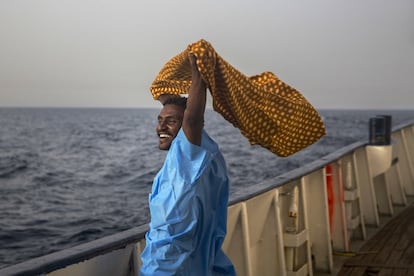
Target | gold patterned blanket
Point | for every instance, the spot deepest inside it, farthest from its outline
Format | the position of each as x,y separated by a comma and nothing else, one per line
267,111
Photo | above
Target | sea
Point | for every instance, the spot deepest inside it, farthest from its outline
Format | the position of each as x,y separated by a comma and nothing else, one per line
72,175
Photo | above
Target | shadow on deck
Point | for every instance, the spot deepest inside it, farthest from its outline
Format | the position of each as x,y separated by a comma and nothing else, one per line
390,251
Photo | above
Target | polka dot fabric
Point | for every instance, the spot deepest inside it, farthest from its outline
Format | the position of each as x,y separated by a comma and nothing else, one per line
267,111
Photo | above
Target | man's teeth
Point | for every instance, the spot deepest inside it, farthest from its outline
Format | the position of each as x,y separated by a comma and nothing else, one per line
163,135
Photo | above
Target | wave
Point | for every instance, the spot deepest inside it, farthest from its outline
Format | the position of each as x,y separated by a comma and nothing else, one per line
13,164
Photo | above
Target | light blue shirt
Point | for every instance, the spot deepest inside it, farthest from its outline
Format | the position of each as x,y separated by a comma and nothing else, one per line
188,206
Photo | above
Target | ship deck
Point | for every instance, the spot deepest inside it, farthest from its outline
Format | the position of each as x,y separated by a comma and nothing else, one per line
388,250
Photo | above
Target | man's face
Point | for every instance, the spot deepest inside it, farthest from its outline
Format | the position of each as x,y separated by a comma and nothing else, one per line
169,123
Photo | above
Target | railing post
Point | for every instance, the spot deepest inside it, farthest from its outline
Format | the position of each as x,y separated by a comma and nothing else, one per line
366,186
393,177
408,151
280,249
314,196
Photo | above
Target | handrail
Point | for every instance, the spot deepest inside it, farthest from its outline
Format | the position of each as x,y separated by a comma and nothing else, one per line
85,251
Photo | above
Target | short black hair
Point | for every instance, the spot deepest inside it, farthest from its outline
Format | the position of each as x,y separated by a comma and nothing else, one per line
180,101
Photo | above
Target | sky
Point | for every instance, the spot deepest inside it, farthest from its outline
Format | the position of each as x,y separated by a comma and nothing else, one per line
102,53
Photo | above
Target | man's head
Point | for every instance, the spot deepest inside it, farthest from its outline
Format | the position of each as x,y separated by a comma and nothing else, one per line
170,120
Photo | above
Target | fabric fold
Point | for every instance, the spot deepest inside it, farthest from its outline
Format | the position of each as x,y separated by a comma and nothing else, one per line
267,111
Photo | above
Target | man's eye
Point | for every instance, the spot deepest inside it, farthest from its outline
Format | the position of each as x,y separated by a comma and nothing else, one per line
171,121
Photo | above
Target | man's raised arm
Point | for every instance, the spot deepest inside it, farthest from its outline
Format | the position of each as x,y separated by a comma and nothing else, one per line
193,121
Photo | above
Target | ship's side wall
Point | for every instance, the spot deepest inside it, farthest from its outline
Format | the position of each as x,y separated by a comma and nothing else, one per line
289,225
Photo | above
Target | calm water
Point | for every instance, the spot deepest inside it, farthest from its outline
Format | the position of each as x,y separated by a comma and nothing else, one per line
68,176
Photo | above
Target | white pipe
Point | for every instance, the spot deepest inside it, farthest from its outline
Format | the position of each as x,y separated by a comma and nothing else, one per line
342,204
292,227
348,176
293,210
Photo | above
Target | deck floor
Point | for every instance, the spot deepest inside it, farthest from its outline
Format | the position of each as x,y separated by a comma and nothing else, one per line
389,252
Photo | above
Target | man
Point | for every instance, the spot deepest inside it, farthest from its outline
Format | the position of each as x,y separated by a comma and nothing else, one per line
188,203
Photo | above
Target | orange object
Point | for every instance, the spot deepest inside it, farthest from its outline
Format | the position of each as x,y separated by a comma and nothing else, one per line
330,192
267,111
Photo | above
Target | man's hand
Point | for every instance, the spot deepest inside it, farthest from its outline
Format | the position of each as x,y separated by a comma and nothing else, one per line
196,76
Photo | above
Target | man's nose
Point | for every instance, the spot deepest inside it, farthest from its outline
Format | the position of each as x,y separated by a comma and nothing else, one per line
161,124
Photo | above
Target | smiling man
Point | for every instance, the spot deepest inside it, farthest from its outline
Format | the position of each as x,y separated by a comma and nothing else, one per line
189,197
170,120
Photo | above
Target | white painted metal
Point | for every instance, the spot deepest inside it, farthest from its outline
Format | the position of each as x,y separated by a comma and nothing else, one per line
280,258
405,169
408,138
352,198
291,230
383,194
313,190
296,237
261,236
393,180
308,245
366,187
116,263
379,159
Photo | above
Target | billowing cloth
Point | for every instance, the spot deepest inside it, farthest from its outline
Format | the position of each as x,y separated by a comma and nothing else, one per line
267,111
188,206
